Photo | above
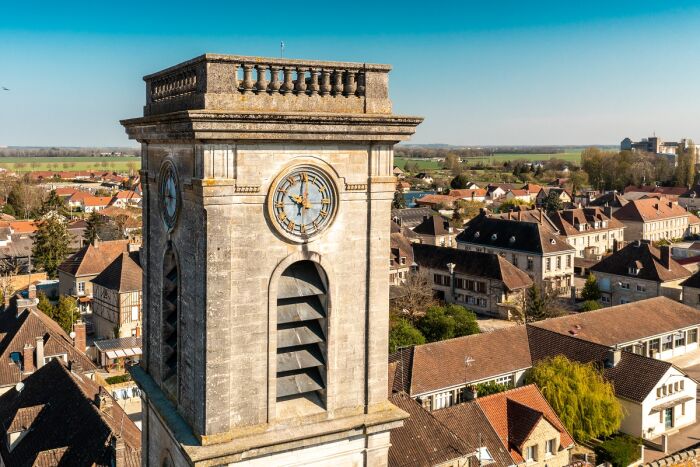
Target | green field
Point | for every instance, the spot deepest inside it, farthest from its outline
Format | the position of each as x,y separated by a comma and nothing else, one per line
112,164
425,164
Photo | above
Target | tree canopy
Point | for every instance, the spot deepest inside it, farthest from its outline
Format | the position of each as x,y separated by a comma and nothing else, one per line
50,243
402,334
445,322
459,182
590,289
584,401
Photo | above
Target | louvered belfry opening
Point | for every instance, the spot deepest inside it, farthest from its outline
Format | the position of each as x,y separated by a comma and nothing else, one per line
302,305
169,338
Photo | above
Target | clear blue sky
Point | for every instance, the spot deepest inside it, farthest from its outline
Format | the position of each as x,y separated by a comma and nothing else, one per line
481,73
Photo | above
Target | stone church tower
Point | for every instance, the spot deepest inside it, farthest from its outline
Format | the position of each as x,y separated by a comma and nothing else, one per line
267,193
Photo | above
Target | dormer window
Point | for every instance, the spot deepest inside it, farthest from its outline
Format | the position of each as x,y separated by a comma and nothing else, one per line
633,270
511,240
494,236
477,234
403,260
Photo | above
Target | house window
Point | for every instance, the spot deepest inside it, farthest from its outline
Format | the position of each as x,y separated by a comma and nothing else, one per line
134,313
81,287
568,261
558,262
514,260
625,285
548,264
624,301
641,288
505,380
654,346
481,287
692,336
667,342
680,339
605,299
459,283
549,446
403,260
531,453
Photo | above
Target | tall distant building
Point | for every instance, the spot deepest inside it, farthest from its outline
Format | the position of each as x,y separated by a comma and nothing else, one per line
656,145
267,188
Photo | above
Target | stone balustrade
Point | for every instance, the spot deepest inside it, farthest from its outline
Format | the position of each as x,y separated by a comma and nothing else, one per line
237,83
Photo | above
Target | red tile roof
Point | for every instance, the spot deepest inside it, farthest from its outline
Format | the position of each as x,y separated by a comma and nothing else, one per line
93,259
649,209
97,201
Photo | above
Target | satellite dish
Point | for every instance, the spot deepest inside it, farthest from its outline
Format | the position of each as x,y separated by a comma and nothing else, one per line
72,335
19,386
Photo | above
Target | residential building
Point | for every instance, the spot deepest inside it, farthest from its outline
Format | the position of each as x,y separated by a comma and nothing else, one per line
425,178
398,173
76,273
483,282
689,199
655,219
564,196
517,195
77,200
529,430
435,230
56,417
95,203
469,194
29,339
591,231
116,306
532,245
532,189
410,217
401,257
637,272
436,201
611,199
126,198
647,191
656,145
116,353
621,340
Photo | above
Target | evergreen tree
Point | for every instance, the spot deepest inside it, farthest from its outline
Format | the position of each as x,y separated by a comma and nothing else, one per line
590,305
399,201
539,304
459,182
584,401
66,313
92,227
50,243
552,202
445,322
45,305
52,203
402,334
590,289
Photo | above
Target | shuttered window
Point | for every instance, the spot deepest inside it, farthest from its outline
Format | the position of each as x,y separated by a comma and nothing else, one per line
302,305
170,309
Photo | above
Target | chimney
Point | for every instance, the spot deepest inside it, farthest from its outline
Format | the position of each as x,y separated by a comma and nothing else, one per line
40,351
31,292
613,358
665,256
96,242
520,215
79,340
28,358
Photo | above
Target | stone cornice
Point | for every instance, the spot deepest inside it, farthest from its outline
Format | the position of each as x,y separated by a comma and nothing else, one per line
219,125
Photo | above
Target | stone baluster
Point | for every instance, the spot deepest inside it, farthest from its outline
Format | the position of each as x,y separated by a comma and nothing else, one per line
313,83
337,82
350,84
325,82
261,84
275,83
300,83
236,83
248,82
360,84
288,85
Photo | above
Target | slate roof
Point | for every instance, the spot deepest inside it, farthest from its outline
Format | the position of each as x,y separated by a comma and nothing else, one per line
92,260
612,199
410,217
66,426
515,235
123,275
514,415
625,323
16,331
433,225
644,256
692,281
422,441
667,190
471,263
649,209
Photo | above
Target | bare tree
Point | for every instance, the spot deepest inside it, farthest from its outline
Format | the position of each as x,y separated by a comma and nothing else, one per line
414,296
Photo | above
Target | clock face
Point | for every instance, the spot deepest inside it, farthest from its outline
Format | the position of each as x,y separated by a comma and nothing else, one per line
303,202
169,194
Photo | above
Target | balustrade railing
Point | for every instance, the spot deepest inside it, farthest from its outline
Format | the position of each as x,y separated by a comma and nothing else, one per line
231,78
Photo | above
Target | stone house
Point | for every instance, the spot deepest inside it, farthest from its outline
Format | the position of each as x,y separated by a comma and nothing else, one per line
691,290
517,194
528,241
532,190
401,256
95,203
637,272
527,428
76,273
117,293
126,198
483,282
435,230
655,219
591,231
409,218
564,196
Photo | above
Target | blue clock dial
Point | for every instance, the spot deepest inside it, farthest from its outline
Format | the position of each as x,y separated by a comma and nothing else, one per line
169,194
303,202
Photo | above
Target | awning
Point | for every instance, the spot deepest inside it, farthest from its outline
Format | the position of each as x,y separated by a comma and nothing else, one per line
669,404
122,353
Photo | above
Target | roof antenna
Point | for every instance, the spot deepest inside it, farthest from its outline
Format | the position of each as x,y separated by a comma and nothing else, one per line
281,49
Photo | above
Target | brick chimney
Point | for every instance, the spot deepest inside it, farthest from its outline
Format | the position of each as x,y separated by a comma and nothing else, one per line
665,256
31,291
40,351
28,358
613,358
79,340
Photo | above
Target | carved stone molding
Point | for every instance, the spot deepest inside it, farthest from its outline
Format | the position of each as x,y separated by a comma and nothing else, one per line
355,187
247,188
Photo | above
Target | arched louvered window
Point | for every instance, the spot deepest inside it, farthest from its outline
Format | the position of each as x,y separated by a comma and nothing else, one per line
171,313
302,305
